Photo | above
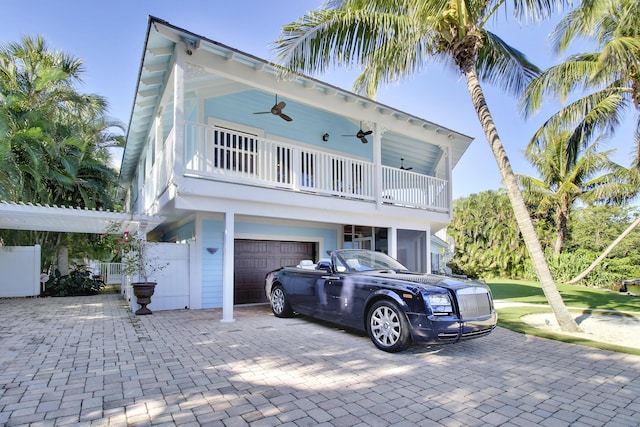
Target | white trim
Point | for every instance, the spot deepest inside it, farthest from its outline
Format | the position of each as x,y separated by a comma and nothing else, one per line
214,121
20,216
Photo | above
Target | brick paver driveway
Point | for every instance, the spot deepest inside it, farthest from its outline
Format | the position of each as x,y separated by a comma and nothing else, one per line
88,361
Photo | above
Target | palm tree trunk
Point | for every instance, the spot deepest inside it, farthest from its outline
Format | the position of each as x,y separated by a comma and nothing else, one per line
604,254
564,318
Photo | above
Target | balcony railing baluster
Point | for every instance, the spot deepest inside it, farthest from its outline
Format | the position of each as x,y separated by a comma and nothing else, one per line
222,154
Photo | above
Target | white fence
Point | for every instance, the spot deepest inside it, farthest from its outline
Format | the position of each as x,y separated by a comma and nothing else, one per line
174,286
20,271
110,272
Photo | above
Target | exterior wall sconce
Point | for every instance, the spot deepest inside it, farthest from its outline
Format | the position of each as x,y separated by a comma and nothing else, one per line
212,250
325,137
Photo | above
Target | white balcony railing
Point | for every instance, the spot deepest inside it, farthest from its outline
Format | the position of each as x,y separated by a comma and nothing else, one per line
221,154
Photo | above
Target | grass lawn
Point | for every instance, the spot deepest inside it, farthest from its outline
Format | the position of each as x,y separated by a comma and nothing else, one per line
578,298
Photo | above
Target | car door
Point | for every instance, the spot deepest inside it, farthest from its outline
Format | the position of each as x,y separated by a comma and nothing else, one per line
309,291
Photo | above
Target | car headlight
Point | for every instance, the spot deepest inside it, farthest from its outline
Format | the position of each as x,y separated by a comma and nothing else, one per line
440,304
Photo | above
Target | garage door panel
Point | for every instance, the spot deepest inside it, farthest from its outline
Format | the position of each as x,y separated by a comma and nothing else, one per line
251,263
255,258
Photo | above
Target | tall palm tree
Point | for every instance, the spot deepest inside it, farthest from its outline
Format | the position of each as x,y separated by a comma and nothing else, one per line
590,177
606,81
392,39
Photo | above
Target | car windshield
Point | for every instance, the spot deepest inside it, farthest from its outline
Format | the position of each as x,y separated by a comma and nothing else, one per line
363,260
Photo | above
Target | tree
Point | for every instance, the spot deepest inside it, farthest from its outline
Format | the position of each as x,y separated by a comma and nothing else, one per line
486,245
51,136
602,224
589,176
606,82
392,39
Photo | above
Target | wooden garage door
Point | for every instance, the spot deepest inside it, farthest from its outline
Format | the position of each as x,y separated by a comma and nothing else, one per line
255,258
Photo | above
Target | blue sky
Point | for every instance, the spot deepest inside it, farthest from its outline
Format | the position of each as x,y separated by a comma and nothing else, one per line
109,38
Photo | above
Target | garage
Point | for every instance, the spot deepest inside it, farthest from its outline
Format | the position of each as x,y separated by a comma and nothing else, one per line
253,259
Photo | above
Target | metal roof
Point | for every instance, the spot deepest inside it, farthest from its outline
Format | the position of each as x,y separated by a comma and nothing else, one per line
21,216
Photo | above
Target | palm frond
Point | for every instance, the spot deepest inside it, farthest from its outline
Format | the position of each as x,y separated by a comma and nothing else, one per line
579,22
558,81
600,111
504,66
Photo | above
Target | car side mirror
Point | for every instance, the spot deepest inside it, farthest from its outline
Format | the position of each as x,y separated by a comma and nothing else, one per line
324,266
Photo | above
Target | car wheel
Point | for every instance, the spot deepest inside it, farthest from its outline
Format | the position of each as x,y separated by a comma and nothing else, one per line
388,327
279,304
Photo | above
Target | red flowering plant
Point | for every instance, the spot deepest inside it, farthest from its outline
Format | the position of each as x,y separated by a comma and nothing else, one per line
133,249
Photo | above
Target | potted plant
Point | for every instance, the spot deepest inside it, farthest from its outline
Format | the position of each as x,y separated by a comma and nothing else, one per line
139,264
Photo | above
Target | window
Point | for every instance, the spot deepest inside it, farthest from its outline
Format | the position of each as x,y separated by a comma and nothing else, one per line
235,151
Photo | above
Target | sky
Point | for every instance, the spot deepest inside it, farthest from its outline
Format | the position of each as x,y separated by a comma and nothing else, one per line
109,37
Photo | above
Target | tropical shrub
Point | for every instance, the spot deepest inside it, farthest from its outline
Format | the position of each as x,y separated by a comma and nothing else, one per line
78,282
568,265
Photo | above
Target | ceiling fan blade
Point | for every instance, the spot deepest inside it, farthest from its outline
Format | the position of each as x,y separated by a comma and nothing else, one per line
285,117
280,105
369,132
364,140
263,112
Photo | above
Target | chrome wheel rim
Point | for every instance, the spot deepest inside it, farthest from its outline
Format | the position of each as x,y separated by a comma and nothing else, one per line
385,326
277,300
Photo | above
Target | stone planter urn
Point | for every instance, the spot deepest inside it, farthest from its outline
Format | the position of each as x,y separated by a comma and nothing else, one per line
143,292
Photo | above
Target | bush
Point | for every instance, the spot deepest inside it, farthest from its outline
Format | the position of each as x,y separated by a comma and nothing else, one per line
568,265
78,282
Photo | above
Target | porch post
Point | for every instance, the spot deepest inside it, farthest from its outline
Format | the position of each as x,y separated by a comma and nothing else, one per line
178,111
377,163
449,182
227,268
428,246
392,242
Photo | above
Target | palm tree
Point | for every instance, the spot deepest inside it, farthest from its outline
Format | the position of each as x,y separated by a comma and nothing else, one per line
392,39
52,137
607,81
590,177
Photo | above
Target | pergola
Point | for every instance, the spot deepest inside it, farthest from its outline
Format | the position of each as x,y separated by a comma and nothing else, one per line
20,216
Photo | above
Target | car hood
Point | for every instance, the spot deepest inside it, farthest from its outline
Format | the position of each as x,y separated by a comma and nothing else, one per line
427,279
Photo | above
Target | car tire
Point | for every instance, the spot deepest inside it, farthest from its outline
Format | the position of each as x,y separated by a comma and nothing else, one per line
388,327
279,303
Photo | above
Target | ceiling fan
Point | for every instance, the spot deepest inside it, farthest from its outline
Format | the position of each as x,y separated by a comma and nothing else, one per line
277,110
362,134
402,165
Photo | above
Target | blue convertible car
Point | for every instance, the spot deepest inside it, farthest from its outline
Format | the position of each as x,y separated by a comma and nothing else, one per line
373,292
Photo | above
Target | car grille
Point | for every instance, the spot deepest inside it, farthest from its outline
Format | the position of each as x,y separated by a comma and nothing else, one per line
474,302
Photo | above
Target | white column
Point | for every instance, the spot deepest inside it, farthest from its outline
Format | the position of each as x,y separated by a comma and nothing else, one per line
449,182
178,112
428,246
392,242
377,163
227,268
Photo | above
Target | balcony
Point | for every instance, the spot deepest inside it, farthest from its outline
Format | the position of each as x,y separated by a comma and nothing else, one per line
224,155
